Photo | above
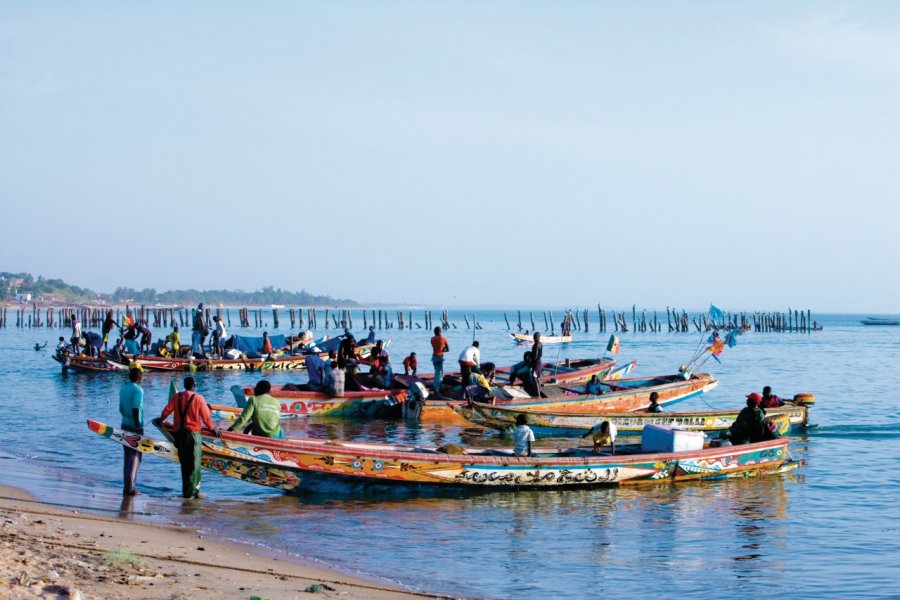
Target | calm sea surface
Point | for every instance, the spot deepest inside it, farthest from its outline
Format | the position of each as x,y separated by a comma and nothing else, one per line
829,528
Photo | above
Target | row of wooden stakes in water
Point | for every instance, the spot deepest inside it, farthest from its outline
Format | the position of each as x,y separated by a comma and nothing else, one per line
575,320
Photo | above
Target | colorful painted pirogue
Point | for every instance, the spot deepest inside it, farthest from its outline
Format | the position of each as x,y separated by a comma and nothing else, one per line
546,423
564,372
299,403
381,403
315,462
278,363
86,364
282,479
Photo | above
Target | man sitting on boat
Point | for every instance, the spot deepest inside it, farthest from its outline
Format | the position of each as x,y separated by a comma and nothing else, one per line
480,390
522,370
654,403
749,425
262,413
524,436
593,387
770,400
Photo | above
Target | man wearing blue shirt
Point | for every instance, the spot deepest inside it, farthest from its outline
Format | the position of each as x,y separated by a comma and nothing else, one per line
131,407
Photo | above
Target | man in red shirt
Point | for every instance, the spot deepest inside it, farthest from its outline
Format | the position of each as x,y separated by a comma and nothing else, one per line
410,363
439,345
190,414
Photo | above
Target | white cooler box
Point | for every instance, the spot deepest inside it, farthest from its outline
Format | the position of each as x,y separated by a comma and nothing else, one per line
666,439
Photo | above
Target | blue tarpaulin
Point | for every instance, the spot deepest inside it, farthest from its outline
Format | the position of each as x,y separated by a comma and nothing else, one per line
251,346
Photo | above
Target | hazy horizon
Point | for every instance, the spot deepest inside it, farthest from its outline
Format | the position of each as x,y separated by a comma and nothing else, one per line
458,154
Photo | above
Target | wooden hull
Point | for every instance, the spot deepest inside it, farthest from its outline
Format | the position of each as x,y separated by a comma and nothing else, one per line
235,467
296,403
87,364
288,464
564,372
171,364
629,395
552,424
545,339
320,460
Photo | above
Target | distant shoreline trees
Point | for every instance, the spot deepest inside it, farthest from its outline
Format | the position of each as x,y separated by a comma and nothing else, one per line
13,285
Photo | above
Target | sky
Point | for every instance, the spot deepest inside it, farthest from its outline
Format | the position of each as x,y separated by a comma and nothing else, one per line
458,153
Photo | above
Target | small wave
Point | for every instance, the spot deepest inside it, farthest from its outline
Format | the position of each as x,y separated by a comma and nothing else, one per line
857,431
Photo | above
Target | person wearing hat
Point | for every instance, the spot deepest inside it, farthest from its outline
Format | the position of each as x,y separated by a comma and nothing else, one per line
748,427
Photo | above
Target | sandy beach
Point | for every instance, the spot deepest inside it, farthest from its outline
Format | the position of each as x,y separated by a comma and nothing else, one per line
52,552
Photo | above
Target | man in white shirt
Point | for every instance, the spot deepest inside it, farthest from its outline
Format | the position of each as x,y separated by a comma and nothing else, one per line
524,436
469,359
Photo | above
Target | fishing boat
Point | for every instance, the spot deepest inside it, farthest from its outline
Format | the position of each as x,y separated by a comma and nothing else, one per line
248,470
563,372
317,462
525,338
81,363
307,403
548,423
169,363
879,321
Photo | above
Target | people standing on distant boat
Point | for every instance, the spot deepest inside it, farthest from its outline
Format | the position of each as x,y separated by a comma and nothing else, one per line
218,336
267,345
174,341
748,427
108,324
524,436
469,360
410,364
199,331
347,352
593,387
190,414
770,400
537,358
654,403
603,434
565,328
439,345
146,337
76,327
131,407
262,413
93,343
371,338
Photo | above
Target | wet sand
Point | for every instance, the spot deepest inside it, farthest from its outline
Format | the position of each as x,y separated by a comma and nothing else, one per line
52,552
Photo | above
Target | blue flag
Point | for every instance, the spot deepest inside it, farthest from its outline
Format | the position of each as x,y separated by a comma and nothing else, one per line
716,313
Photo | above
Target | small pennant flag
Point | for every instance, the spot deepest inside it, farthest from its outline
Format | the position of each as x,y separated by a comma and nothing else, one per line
173,389
716,313
613,346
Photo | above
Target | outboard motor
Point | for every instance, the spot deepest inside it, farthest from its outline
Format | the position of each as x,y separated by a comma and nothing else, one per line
415,401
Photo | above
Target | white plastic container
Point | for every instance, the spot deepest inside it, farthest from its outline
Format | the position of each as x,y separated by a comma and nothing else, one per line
655,438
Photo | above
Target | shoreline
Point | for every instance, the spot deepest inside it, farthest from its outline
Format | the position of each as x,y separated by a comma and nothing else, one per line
49,551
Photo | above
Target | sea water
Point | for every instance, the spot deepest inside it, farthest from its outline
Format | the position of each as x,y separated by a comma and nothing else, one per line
831,527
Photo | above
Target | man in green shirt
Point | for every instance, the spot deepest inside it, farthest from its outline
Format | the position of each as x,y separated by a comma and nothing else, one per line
262,413
131,407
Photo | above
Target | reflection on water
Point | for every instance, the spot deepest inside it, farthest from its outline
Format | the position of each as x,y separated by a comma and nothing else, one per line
828,526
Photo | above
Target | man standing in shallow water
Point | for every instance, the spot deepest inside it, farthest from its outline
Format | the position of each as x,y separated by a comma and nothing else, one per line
131,407
190,414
